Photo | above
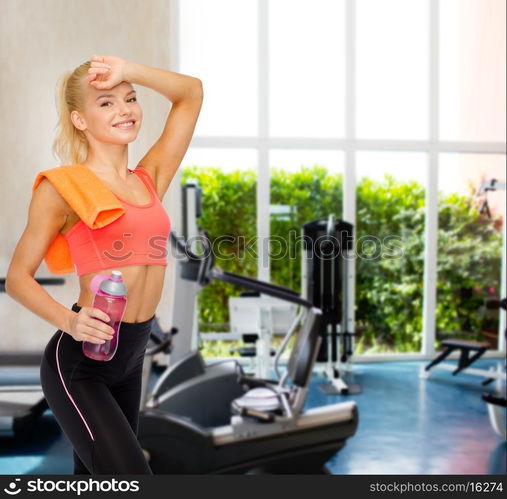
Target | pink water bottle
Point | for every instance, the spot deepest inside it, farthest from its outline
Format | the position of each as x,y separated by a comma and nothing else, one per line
111,298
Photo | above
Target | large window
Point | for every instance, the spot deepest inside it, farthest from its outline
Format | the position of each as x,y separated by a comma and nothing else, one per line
380,111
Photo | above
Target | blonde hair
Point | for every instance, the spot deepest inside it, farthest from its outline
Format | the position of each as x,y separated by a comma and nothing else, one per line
70,144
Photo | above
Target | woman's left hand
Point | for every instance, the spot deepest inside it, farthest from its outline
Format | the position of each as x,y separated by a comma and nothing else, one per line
106,71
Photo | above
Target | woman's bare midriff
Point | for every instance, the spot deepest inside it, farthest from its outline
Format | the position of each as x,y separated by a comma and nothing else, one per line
144,284
144,288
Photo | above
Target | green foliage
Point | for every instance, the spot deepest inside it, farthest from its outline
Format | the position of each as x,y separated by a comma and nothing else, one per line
469,262
389,246
389,278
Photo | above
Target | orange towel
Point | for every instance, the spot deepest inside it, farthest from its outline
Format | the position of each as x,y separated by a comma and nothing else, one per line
89,197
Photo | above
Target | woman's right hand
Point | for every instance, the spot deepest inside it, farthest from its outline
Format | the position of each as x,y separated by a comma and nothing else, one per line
106,71
85,327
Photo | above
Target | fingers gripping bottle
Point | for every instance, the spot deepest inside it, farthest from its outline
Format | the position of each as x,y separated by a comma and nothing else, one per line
111,298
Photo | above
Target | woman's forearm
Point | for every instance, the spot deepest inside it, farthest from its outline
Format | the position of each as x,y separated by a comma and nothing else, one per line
175,86
29,293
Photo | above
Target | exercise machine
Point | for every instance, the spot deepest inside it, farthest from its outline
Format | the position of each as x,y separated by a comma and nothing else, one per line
160,342
497,402
258,318
471,351
327,251
253,318
22,401
184,315
496,410
214,419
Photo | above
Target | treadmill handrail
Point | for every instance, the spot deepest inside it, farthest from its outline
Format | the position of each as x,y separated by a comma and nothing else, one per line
218,274
177,241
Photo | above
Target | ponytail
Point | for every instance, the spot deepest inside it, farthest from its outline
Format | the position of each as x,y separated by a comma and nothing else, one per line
70,144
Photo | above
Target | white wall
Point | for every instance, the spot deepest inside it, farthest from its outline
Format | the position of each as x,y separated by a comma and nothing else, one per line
39,40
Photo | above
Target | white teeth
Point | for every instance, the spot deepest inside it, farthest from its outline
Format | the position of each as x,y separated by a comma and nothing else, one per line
124,125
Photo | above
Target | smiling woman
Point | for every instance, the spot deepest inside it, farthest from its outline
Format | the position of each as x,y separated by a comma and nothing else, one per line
96,404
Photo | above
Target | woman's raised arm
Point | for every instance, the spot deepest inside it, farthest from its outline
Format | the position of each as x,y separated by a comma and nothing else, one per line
186,95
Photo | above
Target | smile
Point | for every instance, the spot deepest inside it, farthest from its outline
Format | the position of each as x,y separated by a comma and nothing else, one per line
128,124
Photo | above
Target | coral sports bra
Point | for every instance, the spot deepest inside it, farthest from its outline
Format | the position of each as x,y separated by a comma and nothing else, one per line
138,237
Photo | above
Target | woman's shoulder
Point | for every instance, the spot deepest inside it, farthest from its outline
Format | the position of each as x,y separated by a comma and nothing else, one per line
47,183
49,195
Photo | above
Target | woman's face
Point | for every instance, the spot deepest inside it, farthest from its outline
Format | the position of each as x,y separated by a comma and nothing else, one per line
105,109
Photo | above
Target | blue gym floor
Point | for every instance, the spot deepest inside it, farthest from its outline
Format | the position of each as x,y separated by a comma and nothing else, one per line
407,425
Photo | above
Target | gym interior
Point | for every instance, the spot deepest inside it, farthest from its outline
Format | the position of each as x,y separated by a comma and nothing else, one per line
336,292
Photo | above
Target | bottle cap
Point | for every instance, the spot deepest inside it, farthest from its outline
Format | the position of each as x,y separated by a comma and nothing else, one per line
114,285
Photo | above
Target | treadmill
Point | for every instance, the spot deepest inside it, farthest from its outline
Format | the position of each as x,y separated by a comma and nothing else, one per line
215,419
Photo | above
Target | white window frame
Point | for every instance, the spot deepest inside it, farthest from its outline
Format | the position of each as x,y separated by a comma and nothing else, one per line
263,143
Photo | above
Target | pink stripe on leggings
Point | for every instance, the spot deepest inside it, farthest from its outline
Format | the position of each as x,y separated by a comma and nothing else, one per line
66,391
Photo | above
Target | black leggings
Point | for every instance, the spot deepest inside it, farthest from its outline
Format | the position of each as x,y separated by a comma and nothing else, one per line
97,403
